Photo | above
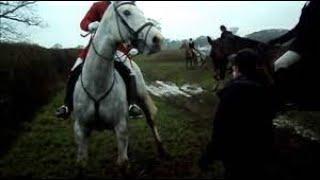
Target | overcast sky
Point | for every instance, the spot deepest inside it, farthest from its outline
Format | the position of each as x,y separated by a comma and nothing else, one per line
179,20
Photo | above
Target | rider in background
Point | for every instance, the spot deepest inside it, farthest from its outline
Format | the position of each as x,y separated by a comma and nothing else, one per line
191,46
191,43
90,23
224,32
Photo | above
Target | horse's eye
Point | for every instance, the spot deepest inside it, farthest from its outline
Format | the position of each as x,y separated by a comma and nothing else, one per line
127,13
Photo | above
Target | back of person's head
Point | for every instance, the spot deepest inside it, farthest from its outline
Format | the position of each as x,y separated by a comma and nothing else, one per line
246,61
223,28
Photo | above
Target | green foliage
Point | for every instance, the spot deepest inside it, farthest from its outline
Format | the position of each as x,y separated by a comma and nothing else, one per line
30,75
47,149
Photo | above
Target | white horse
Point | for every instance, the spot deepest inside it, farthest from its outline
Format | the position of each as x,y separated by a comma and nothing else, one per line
100,100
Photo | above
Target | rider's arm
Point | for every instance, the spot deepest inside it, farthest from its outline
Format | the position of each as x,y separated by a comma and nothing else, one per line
90,17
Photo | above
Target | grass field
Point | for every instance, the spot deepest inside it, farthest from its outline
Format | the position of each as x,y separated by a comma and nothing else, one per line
46,147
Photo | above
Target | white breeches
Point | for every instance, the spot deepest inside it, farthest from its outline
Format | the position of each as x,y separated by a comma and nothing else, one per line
77,63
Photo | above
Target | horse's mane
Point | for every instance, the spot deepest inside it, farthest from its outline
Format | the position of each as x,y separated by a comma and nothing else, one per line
249,43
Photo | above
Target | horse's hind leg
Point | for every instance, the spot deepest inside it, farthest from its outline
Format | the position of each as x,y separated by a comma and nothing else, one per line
150,111
81,137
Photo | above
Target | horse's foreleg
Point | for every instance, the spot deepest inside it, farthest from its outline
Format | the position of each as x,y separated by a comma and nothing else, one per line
121,131
150,111
81,137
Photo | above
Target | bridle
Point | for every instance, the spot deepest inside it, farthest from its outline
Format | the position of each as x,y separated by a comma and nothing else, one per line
134,33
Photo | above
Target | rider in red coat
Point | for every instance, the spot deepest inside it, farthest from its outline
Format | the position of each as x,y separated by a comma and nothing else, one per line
90,23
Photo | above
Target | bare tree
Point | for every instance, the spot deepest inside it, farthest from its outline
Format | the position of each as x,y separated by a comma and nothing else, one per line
13,13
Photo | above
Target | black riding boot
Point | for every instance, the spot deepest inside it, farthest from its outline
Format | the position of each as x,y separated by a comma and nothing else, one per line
65,110
134,111
131,87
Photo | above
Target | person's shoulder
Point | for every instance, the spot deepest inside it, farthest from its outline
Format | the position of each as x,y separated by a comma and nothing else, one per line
231,87
241,83
101,3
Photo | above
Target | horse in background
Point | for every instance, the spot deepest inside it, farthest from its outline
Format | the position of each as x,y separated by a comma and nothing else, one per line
193,57
222,49
219,61
291,82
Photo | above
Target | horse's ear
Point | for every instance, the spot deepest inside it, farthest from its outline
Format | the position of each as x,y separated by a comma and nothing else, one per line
116,2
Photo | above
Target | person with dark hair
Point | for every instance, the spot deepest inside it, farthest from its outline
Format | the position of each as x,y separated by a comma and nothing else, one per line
242,129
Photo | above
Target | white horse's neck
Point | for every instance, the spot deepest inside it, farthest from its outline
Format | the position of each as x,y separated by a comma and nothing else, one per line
99,67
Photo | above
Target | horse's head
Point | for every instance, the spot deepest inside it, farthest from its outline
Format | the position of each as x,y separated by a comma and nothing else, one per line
132,26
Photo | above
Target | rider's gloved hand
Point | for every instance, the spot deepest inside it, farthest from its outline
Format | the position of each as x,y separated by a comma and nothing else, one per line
93,26
133,52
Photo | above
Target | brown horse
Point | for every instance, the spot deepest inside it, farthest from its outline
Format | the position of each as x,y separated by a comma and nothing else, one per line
219,60
290,83
191,59
223,48
193,56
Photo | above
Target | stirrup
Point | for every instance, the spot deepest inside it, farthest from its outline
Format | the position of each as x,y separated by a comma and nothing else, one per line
135,112
63,112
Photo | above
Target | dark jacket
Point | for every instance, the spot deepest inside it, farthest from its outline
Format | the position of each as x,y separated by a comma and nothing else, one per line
225,34
243,120
191,44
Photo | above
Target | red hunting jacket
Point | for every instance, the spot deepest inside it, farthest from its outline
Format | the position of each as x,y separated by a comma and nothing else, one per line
95,13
